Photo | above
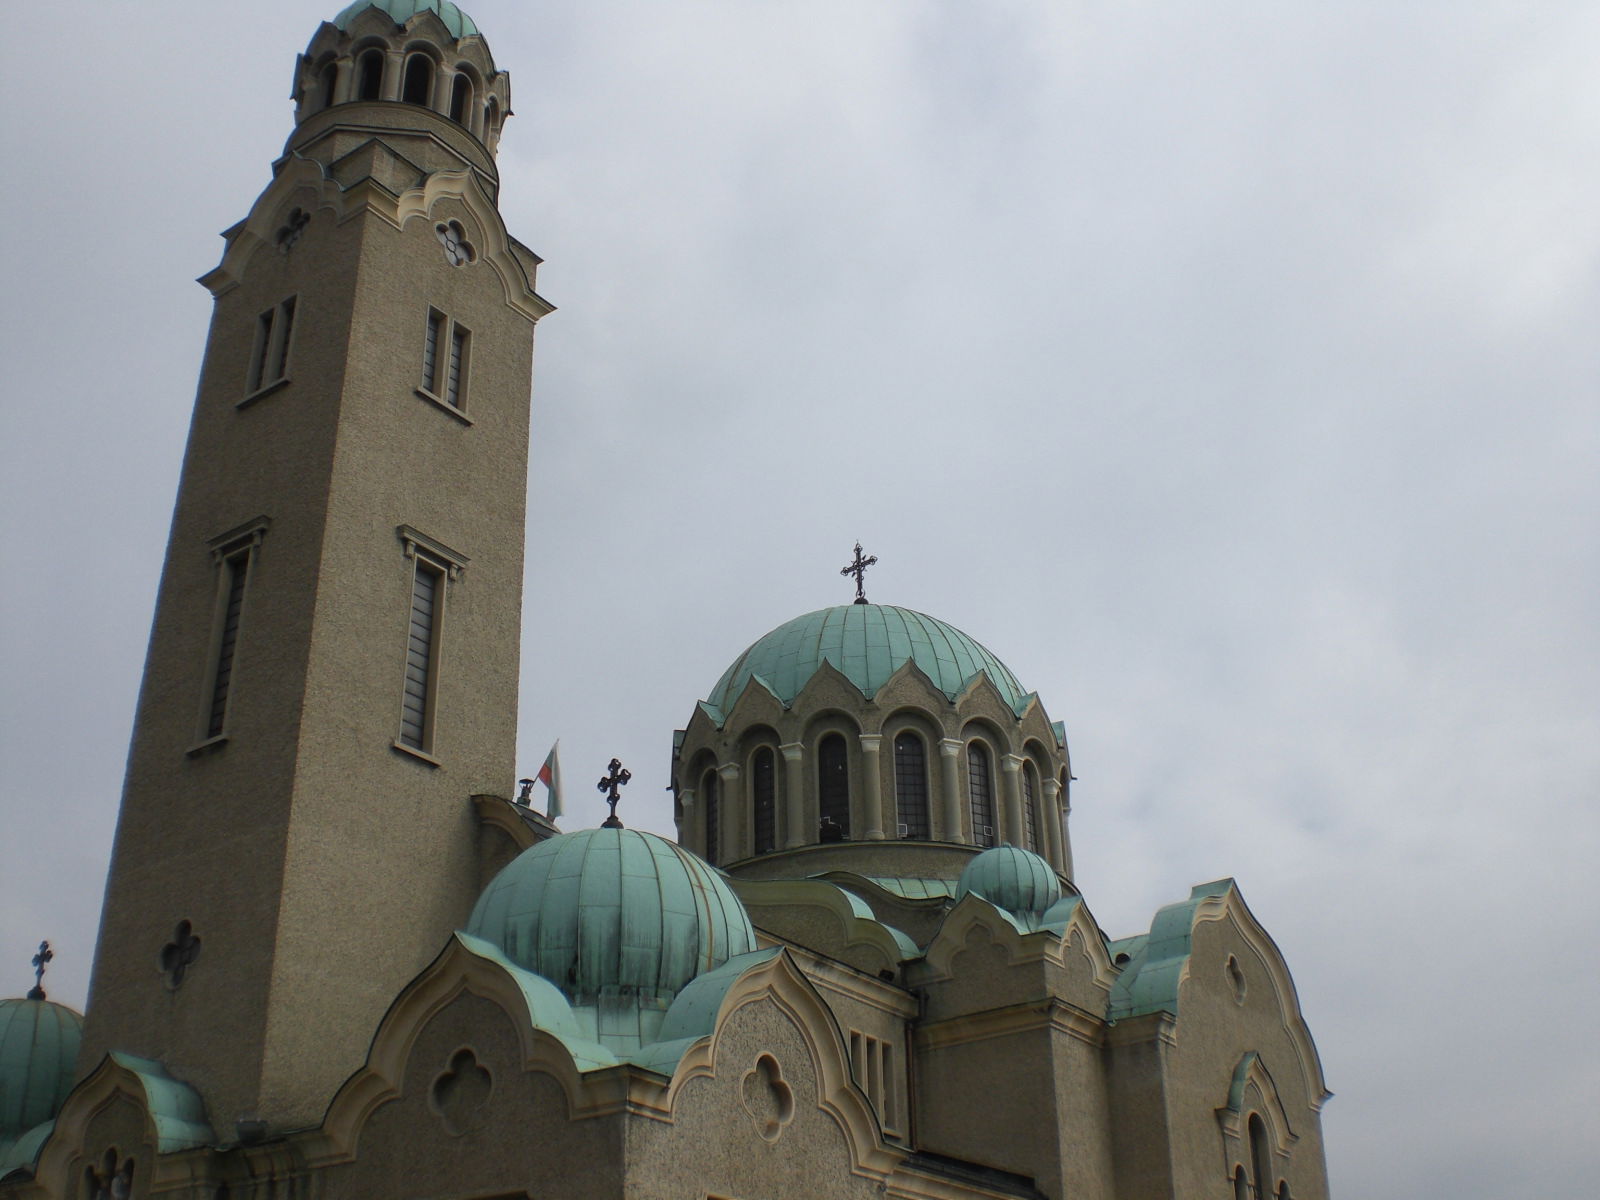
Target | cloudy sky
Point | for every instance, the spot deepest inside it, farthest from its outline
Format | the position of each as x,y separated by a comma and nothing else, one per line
1229,370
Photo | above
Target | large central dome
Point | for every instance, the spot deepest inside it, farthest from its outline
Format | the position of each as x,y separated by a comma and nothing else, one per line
867,643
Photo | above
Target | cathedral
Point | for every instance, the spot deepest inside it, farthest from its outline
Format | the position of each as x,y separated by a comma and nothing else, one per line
340,957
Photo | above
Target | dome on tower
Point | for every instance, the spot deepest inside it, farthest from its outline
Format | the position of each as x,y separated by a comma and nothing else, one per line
867,643
400,11
38,1054
612,913
1011,878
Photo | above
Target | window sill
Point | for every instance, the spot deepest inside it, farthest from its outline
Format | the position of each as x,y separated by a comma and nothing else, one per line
413,752
440,404
211,743
264,390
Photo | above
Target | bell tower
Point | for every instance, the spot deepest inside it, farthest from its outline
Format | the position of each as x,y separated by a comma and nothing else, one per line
332,670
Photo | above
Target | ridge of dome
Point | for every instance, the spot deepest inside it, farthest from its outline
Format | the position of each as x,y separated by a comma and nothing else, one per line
867,643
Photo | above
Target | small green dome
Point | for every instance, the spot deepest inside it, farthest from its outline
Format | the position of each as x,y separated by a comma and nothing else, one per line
612,912
38,1055
400,11
1011,878
867,643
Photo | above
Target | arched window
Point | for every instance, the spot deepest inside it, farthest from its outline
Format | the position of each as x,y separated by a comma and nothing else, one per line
980,794
460,98
325,85
911,786
369,77
764,782
1241,1187
419,80
1260,1158
708,793
1030,835
833,788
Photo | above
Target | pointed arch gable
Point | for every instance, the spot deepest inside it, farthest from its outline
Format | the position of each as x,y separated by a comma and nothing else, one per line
170,1115
547,1034
779,981
1156,978
259,228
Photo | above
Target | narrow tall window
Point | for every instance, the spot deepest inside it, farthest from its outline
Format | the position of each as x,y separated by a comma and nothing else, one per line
269,357
235,568
1260,1158
325,86
708,790
434,569
980,794
833,788
369,79
419,80
422,656
234,555
460,98
764,783
911,786
446,349
1030,836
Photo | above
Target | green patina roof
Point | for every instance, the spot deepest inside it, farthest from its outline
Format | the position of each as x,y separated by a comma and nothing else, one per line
1149,982
38,1053
867,643
400,11
612,912
1011,878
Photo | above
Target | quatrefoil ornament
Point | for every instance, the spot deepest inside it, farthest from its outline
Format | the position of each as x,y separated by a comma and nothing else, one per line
767,1099
458,252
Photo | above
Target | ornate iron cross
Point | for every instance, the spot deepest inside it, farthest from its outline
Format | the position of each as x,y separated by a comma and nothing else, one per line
618,777
40,961
858,568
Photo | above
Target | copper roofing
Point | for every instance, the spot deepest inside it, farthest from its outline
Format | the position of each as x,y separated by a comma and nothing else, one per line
867,643
38,1053
400,11
612,912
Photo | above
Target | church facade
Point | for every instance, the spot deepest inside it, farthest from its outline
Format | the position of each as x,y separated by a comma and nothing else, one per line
863,968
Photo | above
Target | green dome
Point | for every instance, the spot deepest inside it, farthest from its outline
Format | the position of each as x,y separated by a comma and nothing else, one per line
867,643
1011,878
400,11
38,1055
612,913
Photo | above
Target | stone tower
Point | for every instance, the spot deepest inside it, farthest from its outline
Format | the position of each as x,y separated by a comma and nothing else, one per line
332,671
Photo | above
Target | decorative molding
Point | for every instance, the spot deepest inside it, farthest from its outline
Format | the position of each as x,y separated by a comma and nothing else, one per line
453,561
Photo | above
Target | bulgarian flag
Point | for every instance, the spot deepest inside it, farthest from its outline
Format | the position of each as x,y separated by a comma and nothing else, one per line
550,776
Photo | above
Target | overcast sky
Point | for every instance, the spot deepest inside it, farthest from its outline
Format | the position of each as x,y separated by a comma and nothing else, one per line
1230,370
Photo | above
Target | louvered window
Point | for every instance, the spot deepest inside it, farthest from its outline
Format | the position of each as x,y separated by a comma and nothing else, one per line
269,357
980,794
1030,837
446,354
708,789
422,644
236,568
833,786
911,786
430,349
458,366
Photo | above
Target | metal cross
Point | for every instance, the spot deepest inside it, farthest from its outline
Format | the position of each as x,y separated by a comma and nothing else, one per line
40,961
858,568
617,778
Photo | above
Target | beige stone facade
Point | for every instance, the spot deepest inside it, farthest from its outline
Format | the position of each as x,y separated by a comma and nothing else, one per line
294,993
